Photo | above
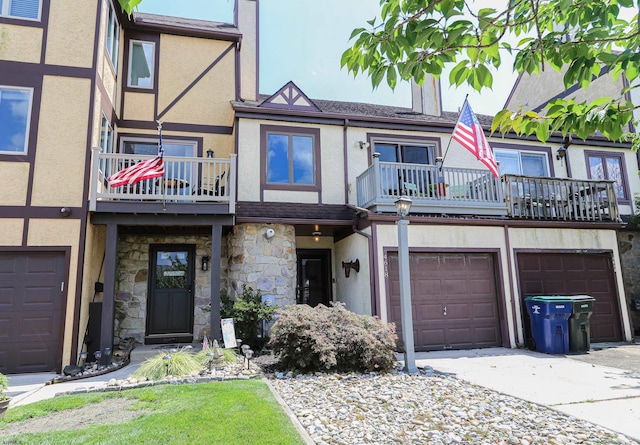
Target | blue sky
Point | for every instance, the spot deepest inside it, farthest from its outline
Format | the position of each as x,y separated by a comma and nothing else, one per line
303,40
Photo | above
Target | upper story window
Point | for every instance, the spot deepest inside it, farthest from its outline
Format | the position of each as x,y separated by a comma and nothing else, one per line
604,165
15,115
406,153
522,162
141,64
23,9
113,35
179,176
106,136
291,155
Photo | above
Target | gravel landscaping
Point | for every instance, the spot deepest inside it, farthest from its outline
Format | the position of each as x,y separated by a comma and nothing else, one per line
425,409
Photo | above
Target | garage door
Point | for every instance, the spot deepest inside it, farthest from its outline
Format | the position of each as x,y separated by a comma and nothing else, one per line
454,300
575,274
31,311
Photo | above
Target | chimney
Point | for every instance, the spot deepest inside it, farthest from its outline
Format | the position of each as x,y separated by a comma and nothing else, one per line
246,20
427,98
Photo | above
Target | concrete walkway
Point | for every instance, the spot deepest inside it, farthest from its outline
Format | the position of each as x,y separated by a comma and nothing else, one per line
586,386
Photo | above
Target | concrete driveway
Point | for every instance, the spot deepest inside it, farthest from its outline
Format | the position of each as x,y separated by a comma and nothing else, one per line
602,386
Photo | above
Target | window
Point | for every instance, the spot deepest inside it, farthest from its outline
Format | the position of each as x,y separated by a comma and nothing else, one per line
141,64
24,9
177,174
291,156
113,36
106,136
406,153
15,114
522,162
609,166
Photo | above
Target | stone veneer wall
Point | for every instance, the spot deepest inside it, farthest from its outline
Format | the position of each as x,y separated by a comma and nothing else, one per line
629,247
267,265
132,281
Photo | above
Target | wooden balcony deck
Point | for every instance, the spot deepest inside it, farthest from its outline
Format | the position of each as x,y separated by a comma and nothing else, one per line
198,185
458,191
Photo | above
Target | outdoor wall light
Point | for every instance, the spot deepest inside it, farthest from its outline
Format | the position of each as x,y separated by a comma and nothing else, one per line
363,145
205,263
355,265
209,153
316,234
561,153
65,211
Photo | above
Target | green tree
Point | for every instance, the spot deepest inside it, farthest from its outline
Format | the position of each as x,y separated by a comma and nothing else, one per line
129,5
412,38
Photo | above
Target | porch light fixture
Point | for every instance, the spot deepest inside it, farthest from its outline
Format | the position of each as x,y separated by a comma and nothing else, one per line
347,266
205,263
363,145
209,153
403,205
316,234
561,153
65,211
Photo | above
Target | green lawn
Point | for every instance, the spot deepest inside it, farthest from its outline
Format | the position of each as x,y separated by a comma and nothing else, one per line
233,412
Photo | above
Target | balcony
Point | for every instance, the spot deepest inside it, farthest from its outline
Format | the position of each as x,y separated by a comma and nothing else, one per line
460,191
190,185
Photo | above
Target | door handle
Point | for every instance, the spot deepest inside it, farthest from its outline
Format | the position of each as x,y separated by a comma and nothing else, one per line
444,311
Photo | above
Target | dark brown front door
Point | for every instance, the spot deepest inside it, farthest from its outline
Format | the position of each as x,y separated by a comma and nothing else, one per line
170,302
454,300
31,311
314,277
574,274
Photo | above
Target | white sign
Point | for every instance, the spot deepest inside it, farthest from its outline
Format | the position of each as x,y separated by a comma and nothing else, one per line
174,273
269,300
228,333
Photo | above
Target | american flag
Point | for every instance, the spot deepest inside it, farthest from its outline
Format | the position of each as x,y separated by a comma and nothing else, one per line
151,168
468,132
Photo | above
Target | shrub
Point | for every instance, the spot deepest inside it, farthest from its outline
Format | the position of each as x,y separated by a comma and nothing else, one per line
178,364
4,385
323,338
248,312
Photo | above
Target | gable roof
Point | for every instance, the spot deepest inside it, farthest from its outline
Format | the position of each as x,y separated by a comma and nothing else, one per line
289,97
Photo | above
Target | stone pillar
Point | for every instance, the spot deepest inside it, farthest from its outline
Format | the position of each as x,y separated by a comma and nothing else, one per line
267,264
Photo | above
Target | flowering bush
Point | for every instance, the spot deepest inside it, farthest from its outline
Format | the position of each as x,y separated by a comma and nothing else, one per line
323,338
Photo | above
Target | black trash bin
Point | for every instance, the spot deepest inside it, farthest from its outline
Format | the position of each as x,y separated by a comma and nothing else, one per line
579,326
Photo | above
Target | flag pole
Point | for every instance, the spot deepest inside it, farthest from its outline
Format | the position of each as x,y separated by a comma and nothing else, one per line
451,138
161,152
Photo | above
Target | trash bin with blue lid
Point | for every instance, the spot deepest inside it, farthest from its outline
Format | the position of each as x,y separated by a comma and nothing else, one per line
549,317
579,325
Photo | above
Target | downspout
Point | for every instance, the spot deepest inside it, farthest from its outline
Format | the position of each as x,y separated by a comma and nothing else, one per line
511,284
346,161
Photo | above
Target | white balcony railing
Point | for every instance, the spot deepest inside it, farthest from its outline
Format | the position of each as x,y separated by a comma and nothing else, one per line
478,192
186,179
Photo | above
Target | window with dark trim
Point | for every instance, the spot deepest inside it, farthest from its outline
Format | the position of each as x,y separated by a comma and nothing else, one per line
141,64
113,35
21,9
291,157
604,165
15,117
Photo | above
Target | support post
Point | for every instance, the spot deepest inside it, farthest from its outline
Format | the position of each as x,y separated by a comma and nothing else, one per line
214,270
108,300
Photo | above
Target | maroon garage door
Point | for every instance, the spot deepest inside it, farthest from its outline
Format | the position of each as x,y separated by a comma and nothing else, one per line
575,274
31,311
454,300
